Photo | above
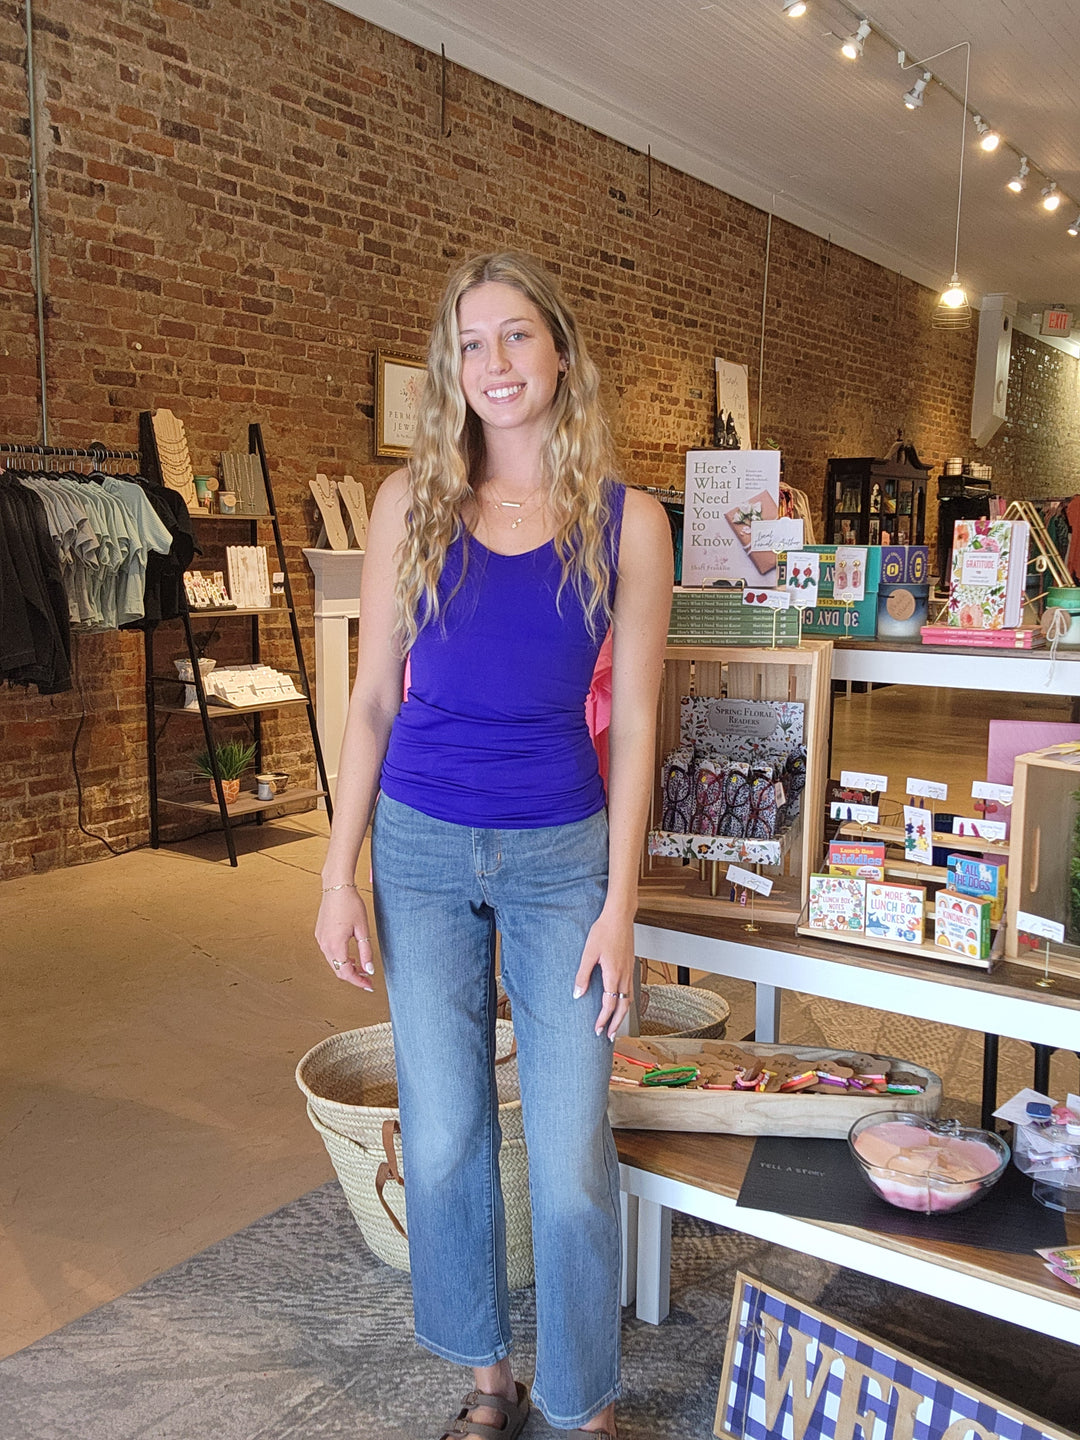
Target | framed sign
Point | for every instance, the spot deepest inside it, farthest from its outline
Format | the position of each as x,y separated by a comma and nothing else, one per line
793,1373
399,381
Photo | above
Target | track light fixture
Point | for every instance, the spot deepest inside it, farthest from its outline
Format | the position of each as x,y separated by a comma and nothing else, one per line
1019,180
794,8
989,139
852,48
913,98
1051,196
1074,228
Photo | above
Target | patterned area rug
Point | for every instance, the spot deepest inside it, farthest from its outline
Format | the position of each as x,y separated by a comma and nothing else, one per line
292,1330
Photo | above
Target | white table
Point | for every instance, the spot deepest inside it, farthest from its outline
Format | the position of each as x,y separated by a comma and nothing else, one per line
1004,1003
1026,672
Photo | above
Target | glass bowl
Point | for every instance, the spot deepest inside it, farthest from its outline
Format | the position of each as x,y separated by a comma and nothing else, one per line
894,1162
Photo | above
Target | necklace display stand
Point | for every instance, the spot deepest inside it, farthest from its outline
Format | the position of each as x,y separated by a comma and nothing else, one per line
334,532
172,450
352,492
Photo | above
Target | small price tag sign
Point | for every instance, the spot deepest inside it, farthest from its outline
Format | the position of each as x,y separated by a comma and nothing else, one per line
862,780
1036,925
929,789
985,790
848,810
767,599
760,884
979,829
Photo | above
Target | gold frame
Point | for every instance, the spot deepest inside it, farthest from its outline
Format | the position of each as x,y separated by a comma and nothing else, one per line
384,359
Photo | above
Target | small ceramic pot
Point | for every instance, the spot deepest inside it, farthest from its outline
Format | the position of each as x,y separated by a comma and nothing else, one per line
230,789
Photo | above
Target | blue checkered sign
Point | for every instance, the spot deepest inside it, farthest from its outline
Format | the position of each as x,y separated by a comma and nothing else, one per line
792,1373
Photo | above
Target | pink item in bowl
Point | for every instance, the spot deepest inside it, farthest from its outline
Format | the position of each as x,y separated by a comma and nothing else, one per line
926,1165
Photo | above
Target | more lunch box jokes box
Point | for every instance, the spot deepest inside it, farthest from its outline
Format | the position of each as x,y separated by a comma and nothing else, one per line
892,565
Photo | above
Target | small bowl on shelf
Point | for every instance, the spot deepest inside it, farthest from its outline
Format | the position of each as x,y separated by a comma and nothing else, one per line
184,671
931,1167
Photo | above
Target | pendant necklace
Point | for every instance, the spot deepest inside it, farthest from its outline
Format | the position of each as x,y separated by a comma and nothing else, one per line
499,503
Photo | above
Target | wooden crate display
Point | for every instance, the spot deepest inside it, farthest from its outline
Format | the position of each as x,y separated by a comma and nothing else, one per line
671,883
1045,849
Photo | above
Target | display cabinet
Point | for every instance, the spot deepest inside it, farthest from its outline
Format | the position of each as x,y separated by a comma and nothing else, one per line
876,502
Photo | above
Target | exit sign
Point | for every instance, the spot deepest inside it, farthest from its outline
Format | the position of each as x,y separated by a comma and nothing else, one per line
1056,322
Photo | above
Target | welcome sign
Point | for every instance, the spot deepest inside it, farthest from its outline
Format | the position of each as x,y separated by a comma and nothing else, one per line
792,1373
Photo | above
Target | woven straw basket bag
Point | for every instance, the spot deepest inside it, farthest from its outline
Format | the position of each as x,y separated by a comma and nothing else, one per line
683,1012
351,1087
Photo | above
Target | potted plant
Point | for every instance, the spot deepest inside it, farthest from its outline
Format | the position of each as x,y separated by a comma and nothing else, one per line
233,758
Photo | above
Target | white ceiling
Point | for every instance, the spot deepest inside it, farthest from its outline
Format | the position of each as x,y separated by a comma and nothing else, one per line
765,108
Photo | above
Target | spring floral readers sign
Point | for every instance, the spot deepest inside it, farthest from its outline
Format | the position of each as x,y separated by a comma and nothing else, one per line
793,1373
727,493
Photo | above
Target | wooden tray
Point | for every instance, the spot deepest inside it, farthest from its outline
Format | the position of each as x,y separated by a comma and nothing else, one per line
743,1112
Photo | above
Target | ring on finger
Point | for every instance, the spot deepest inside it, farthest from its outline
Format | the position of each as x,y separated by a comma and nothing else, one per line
337,964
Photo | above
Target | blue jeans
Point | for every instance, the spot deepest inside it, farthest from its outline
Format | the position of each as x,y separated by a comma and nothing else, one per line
441,893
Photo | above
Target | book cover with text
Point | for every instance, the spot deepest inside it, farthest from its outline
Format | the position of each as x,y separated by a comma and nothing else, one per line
895,912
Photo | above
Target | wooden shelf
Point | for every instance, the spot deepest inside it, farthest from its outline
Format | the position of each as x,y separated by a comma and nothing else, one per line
238,610
871,942
894,834
247,804
228,519
215,712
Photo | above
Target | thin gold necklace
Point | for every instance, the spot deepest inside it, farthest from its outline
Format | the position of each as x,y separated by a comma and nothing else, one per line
499,503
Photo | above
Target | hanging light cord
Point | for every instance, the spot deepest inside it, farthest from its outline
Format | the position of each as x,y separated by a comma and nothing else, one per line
963,144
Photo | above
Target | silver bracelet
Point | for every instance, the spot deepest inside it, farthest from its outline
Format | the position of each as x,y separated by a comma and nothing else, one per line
329,889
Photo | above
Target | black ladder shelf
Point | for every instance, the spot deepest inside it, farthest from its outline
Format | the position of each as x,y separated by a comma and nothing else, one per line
208,712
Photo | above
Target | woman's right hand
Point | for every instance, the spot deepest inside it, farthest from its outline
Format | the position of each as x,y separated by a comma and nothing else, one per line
342,923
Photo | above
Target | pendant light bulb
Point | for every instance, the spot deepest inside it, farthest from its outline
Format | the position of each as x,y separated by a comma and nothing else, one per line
989,140
1019,181
852,48
794,8
1051,196
1074,228
913,98
954,295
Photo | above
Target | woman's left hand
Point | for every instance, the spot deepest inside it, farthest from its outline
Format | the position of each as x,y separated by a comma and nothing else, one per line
610,945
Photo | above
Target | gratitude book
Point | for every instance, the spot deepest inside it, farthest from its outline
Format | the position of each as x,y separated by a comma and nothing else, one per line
988,575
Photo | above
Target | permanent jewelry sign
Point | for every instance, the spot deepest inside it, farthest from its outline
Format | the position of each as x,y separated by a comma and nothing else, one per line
793,1373
399,381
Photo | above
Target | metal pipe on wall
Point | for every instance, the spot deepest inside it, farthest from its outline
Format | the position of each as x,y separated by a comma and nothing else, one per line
35,227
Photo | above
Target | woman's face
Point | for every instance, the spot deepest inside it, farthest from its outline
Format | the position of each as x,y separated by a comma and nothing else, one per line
509,364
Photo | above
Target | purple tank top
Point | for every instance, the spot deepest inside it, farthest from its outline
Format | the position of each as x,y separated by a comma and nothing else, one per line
492,732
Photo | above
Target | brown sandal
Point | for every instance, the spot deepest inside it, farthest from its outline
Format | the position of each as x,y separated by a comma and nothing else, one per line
514,1413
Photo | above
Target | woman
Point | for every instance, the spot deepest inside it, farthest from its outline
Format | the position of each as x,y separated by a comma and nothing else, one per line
497,560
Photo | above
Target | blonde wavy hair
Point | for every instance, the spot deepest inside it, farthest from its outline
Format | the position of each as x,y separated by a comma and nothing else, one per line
448,453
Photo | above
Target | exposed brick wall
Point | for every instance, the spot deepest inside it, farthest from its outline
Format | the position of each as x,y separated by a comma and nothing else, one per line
244,197
1037,450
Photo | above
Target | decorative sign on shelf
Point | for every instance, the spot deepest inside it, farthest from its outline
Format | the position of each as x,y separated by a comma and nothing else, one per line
1036,925
918,841
792,1372
863,780
929,789
761,884
777,535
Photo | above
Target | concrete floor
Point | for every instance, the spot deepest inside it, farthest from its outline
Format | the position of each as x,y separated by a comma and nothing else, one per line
155,1008
157,1005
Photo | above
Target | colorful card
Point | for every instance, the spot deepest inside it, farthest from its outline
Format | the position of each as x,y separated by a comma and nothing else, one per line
962,923
918,839
837,903
865,860
970,875
895,912
980,829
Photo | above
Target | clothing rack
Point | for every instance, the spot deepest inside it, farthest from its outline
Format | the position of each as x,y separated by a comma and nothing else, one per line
93,451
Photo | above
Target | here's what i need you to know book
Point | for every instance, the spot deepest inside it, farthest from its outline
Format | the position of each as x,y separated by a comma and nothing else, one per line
989,574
